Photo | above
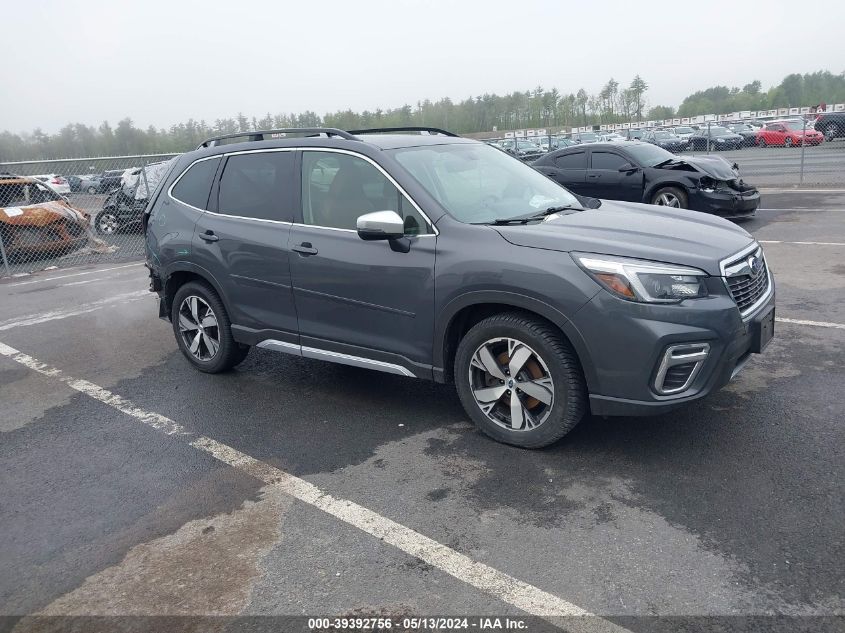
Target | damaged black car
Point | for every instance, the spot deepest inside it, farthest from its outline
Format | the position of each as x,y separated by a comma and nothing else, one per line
642,172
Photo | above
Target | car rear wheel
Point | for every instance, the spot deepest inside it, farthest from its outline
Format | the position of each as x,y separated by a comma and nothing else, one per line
670,197
107,223
830,132
787,142
203,330
519,380
761,142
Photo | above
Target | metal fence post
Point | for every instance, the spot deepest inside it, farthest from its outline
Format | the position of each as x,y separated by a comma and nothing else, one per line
708,137
3,254
803,136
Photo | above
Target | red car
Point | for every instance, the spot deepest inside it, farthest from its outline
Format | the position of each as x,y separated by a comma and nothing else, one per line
788,133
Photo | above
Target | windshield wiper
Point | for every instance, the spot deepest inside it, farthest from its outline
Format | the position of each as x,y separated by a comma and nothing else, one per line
524,219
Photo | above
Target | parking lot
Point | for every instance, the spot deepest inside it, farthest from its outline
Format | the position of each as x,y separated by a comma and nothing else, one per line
133,485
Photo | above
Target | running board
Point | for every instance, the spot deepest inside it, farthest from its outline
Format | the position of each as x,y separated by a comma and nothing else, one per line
334,357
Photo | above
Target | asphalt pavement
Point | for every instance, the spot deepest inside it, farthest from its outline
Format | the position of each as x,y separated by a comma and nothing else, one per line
132,485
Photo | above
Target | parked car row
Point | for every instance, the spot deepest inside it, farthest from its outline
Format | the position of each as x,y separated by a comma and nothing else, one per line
790,132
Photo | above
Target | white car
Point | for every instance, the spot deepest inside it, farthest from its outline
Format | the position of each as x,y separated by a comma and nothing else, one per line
57,183
611,137
683,132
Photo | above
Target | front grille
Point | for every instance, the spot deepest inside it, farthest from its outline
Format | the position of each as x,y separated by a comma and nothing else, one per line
745,284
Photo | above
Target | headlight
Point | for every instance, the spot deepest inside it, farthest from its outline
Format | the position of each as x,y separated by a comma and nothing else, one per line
644,281
720,140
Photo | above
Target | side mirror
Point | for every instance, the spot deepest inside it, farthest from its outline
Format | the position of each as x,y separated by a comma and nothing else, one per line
628,167
380,225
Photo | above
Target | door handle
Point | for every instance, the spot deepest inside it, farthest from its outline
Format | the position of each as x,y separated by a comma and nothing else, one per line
305,249
209,236
593,175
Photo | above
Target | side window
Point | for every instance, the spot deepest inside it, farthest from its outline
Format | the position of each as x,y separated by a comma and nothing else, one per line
576,160
195,184
338,188
258,185
607,160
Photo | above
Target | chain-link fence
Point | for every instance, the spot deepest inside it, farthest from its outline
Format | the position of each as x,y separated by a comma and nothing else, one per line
68,212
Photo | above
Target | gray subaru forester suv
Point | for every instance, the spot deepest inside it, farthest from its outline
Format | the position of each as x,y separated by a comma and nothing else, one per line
415,252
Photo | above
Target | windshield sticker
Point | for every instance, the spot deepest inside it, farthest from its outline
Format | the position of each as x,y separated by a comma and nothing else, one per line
12,212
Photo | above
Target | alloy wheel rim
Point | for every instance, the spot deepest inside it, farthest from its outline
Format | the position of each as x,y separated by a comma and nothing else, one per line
511,384
198,328
108,223
668,200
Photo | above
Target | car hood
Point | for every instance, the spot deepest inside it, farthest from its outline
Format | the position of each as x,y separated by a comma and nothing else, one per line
714,166
41,214
627,229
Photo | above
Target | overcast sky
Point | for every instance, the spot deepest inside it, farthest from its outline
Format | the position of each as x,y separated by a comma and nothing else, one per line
162,62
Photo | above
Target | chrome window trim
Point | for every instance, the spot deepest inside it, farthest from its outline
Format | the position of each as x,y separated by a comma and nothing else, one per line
185,171
401,189
740,266
334,357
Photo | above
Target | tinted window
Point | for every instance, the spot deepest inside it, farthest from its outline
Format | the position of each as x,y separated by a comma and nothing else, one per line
257,185
338,188
195,184
576,160
606,160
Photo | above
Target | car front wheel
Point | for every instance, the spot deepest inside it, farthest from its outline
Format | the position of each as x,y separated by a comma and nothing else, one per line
670,197
519,380
107,223
203,330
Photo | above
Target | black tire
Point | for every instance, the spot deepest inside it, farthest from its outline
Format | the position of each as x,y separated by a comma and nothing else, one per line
679,194
569,391
787,142
229,352
761,142
92,190
106,222
830,132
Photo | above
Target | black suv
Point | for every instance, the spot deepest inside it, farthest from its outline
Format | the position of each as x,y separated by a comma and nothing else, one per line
831,124
419,253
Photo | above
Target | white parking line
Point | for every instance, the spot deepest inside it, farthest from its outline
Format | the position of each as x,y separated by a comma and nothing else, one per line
802,243
89,272
838,326
513,591
85,308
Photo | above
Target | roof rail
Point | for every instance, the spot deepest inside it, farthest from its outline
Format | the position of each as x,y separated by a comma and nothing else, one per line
258,135
430,130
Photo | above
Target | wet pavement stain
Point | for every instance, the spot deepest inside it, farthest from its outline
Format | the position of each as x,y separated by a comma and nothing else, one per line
207,567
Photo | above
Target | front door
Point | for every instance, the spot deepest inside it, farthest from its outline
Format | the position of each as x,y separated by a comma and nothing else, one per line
243,241
357,298
604,180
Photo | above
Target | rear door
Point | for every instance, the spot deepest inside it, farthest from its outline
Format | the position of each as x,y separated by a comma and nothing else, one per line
604,180
569,169
243,241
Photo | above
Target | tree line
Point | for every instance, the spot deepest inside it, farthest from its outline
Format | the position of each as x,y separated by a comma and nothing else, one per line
539,107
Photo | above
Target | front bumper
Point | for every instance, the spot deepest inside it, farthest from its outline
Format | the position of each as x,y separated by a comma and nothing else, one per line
724,202
629,341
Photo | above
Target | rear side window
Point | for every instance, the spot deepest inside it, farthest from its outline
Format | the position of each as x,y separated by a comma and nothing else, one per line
607,160
258,185
577,160
194,184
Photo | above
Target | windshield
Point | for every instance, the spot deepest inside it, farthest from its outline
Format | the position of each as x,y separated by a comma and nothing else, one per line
527,145
797,125
684,130
660,135
719,131
588,136
20,192
477,184
648,155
